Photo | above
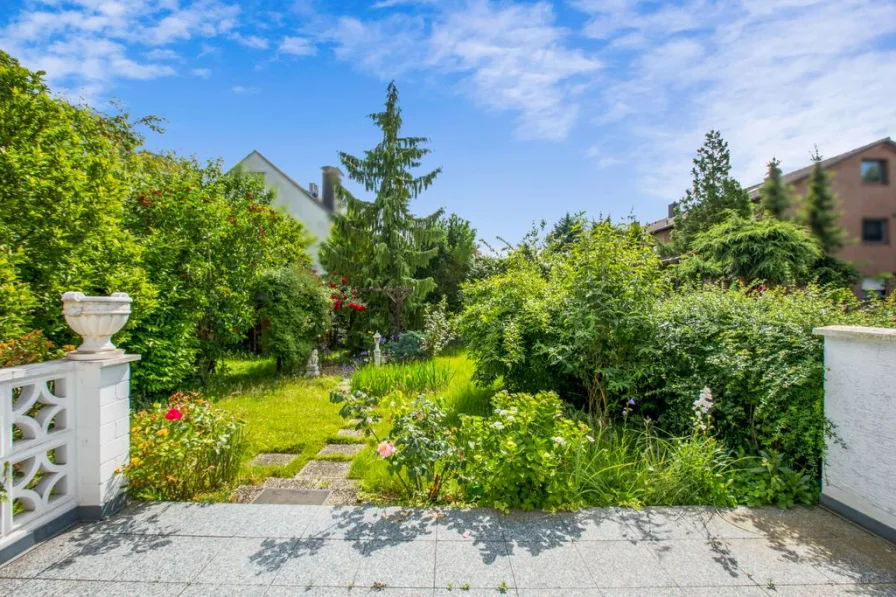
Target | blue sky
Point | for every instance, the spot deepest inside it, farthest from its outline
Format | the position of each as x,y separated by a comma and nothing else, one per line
533,108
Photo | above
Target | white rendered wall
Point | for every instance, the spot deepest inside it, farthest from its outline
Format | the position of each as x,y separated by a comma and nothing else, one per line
296,203
860,400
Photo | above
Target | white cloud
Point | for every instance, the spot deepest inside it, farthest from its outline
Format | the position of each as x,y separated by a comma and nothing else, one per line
774,76
297,46
241,90
202,73
250,41
87,46
507,56
163,54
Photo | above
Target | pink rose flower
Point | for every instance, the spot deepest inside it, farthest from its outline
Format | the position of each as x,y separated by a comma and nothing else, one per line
174,414
385,449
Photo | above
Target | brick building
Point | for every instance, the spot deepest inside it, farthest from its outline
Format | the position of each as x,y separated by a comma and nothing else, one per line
863,180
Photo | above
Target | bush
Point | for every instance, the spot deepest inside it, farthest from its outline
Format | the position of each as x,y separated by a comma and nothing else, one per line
30,348
756,351
523,455
408,346
566,320
183,449
294,311
506,324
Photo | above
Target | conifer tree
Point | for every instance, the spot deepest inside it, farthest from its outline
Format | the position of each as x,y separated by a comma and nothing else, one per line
381,245
821,209
775,195
712,192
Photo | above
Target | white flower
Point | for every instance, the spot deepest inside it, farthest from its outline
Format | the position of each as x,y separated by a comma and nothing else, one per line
498,425
703,404
559,440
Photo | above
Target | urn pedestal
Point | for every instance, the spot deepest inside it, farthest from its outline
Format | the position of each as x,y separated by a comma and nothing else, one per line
96,319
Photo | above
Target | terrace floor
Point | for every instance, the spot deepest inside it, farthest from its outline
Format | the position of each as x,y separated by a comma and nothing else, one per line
163,549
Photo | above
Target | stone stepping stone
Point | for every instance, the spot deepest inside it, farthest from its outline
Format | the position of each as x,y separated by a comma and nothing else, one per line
347,449
350,433
301,497
322,483
273,459
324,469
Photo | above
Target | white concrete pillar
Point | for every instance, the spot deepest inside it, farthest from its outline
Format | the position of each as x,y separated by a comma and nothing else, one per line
102,433
859,473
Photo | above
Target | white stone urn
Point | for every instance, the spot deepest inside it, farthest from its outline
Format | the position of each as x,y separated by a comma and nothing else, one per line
96,319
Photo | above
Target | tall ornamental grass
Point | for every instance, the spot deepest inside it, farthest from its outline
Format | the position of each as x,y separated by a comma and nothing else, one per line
414,377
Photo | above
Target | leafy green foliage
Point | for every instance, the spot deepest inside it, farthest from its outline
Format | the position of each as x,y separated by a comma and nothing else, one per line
565,320
380,244
183,449
294,311
713,192
765,479
426,453
407,347
821,209
410,377
64,178
605,287
756,351
32,347
438,331
523,454
628,466
774,194
506,321
452,262
747,249
82,207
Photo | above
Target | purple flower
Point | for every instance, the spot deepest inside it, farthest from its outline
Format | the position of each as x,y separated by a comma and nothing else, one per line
631,402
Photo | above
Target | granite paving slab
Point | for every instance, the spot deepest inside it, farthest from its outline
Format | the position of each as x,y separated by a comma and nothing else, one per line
282,496
324,469
250,550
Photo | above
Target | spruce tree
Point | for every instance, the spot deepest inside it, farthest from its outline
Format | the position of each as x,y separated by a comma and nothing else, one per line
381,245
821,209
712,192
774,194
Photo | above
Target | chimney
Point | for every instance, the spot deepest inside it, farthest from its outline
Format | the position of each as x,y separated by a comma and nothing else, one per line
672,207
313,189
330,179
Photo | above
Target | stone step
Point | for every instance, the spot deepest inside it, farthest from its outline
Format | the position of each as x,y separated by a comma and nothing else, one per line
350,433
347,449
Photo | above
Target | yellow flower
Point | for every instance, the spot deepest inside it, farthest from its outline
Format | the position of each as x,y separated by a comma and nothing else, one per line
135,461
117,471
163,431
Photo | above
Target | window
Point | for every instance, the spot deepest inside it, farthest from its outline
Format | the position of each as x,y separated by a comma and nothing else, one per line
873,287
874,171
874,231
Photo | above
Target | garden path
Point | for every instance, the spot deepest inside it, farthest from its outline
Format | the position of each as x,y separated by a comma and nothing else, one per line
190,549
329,472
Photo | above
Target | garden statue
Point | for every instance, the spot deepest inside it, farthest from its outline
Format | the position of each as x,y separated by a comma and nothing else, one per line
312,369
377,355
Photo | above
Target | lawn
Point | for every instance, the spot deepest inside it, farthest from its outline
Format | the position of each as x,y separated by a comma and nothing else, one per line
286,415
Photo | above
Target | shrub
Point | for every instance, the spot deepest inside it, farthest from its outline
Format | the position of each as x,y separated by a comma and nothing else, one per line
408,346
506,323
411,378
756,351
745,248
183,449
523,455
33,347
438,331
765,479
294,311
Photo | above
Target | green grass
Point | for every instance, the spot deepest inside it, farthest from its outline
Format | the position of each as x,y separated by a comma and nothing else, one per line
287,415
415,377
